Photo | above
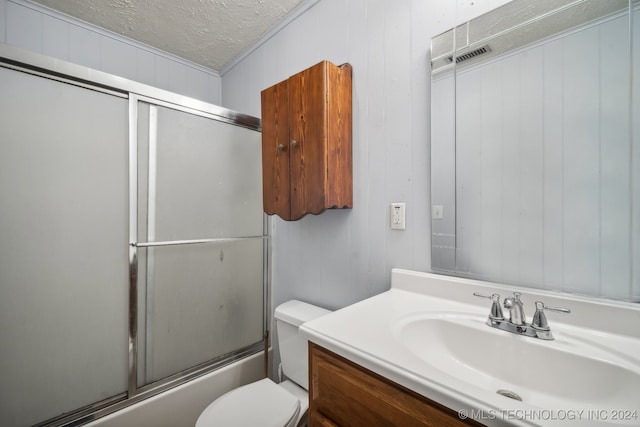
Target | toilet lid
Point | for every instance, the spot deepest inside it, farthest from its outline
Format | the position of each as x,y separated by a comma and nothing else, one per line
262,403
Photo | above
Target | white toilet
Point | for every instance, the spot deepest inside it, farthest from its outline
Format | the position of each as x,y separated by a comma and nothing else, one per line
265,403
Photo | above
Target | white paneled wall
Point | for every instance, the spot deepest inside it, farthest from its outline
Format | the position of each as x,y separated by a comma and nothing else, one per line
41,30
343,256
3,21
543,166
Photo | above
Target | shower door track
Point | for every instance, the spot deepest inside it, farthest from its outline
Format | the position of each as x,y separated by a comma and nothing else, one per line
112,404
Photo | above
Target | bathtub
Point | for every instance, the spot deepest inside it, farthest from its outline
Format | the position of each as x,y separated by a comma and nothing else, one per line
181,406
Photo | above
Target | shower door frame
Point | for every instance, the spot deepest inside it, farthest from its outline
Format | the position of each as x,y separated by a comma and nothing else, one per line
36,64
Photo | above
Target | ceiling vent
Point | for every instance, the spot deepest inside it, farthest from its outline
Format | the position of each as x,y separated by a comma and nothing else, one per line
476,52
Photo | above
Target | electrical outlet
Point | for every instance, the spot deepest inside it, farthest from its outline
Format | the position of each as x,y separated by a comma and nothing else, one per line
398,216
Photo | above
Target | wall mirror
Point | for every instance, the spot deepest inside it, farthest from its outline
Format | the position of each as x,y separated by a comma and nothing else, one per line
535,147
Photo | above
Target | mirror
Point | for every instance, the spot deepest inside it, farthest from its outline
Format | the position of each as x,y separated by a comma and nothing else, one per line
535,147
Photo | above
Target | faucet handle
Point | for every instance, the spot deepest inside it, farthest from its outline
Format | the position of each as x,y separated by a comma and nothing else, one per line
539,321
496,310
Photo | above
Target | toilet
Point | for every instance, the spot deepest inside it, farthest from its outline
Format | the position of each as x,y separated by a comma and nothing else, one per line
265,403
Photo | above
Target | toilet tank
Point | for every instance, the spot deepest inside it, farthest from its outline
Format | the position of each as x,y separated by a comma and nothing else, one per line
293,346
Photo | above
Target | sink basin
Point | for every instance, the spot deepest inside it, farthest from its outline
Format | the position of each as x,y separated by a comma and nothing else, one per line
571,372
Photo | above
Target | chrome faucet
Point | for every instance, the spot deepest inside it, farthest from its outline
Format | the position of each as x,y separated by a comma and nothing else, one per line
516,310
517,323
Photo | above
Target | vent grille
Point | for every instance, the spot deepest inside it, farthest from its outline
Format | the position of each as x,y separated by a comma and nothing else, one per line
466,56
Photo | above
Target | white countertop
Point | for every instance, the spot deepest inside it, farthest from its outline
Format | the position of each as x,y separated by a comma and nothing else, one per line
364,333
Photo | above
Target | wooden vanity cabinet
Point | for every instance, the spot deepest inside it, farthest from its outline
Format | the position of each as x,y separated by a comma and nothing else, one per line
342,393
306,142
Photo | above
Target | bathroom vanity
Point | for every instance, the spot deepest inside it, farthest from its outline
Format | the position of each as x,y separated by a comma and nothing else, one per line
342,393
429,352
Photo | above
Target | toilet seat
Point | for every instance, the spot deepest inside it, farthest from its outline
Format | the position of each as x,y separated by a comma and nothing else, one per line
262,403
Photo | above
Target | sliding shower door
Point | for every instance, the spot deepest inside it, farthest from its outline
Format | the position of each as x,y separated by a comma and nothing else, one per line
132,245
200,240
63,252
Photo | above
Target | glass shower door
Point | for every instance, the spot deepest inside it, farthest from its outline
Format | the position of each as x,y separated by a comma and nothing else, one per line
200,241
63,252
130,262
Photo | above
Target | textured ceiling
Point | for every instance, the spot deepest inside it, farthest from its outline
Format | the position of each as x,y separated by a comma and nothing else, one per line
208,32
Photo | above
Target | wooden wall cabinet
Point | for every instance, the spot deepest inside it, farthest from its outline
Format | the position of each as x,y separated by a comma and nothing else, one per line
344,394
306,142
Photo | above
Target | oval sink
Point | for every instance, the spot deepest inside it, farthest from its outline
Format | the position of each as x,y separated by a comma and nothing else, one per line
570,372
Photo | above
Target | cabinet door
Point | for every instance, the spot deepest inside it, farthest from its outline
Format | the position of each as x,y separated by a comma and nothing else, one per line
344,394
275,150
339,190
306,147
308,133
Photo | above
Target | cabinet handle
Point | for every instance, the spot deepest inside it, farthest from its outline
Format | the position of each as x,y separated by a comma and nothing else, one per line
280,147
294,143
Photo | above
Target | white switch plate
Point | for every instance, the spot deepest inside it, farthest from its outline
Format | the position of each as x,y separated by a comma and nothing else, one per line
437,212
397,216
